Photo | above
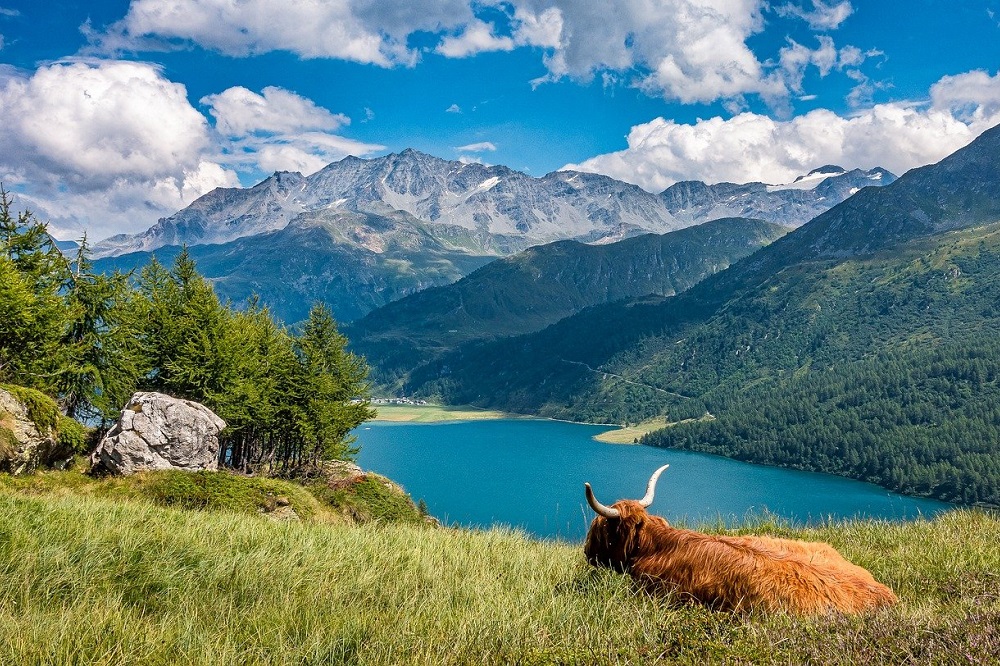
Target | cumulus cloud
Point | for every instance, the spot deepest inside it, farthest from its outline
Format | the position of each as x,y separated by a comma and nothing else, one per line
97,122
106,145
278,130
238,111
110,146
973,97
357,30
688,50
692,51
476,37
476,147
86,139
125,206
753,147
823,15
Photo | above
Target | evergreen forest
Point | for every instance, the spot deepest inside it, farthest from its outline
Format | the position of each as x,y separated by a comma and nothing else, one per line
290,397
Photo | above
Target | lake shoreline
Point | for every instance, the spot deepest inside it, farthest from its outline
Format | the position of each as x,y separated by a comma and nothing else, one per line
528,473
617,434
458,413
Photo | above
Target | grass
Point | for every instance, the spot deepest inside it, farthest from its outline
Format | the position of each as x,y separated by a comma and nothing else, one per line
88,579
362,499
632,434
436,413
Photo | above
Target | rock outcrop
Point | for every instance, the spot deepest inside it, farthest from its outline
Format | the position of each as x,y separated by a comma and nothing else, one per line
25,444
156,431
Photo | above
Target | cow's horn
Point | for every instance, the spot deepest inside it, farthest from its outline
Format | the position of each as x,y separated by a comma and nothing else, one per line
601,510
651,487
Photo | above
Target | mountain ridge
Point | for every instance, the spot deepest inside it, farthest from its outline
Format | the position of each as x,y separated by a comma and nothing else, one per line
537,287
493,200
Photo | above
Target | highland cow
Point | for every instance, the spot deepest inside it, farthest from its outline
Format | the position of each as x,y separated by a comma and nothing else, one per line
726,572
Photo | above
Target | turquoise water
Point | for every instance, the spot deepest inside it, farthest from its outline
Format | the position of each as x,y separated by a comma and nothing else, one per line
529,474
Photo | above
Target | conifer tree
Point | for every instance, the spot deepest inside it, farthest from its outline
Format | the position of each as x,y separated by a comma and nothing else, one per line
33,314
99,372
333,389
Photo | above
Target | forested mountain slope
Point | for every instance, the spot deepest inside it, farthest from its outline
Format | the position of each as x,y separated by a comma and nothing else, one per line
897,273
535,288
352,262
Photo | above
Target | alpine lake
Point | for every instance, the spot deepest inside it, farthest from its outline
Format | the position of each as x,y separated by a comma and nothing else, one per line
528,474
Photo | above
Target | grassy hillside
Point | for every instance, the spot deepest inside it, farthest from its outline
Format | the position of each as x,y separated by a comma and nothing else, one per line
333,497
89,580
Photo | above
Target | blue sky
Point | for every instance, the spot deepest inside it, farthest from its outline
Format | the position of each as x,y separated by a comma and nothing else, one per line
115,112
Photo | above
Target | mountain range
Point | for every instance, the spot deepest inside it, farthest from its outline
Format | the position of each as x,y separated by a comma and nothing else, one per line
491,201
361,233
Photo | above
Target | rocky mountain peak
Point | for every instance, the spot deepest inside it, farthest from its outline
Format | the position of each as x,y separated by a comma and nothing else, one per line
495,201
827,170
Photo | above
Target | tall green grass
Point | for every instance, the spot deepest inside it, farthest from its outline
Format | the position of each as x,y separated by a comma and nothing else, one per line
95,580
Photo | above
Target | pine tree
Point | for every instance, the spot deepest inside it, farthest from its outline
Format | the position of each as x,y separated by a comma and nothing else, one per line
33,314
335,393
100,372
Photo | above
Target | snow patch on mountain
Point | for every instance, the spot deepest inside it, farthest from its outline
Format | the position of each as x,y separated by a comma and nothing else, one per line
488,201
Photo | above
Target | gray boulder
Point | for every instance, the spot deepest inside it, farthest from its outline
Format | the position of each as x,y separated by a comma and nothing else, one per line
156,431
24,444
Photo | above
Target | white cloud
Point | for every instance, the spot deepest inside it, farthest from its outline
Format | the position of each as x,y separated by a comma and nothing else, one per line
454,108
365,31
795,58
543,29
125,206
476,147
686,50
823,16
96,122
279,130
103,146
238,112
6,13
306,153
110,146
973,97
752,147
476,37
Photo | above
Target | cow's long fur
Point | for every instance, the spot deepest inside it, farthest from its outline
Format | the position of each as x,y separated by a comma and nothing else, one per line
731,573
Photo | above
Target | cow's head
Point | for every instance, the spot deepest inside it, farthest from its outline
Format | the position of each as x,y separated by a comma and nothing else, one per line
614,533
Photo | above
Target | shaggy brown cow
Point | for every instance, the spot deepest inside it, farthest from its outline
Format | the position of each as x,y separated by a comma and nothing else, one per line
723,572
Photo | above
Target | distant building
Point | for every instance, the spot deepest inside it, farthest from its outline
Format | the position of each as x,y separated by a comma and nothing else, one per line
398,401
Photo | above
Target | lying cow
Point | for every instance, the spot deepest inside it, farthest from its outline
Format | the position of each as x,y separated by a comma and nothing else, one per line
724,572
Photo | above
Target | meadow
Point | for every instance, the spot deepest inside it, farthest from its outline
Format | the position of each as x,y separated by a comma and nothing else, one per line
435,413
94,577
